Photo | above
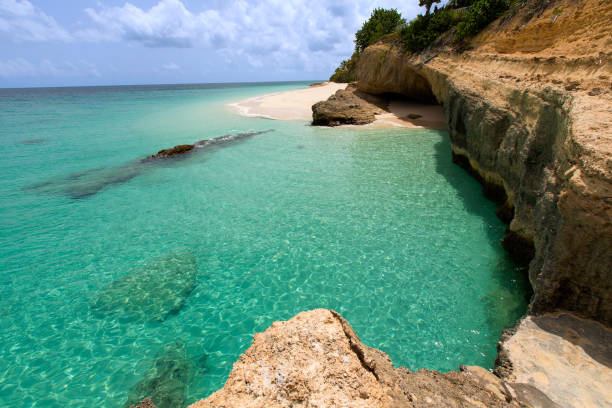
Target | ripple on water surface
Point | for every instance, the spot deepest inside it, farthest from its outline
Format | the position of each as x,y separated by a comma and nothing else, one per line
378,225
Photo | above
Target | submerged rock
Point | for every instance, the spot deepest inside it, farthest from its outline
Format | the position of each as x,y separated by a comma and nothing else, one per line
85,183
33,141
165,383
347,107
154,292
146,403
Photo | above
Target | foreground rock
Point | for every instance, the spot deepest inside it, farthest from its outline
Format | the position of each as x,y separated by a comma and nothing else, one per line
164,385
347,107
151,293
316,360
566,358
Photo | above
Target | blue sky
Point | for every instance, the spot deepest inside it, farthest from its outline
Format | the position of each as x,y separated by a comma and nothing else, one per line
103,42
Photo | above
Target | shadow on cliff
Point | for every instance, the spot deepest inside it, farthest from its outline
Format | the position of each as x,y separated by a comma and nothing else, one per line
594,338
507,302
467,188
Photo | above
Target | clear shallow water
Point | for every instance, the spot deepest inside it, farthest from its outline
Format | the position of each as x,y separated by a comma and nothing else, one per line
378,225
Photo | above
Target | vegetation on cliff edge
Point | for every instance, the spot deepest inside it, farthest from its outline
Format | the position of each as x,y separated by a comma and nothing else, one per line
466,17
380,23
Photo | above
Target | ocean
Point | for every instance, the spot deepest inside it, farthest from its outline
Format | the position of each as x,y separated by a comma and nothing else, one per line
118,273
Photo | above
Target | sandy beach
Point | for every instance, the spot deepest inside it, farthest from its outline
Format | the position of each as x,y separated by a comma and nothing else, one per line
291,105
404,113
297,105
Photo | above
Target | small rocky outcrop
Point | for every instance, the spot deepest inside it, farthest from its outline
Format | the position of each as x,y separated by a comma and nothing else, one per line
151,293
315,359
174,151
347,107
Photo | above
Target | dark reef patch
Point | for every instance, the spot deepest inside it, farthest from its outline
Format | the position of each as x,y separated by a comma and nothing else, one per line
165,383
85,183
32,141
151,293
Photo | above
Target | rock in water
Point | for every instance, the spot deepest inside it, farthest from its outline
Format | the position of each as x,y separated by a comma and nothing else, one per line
154,292
174,151
166,381
85,183
347,107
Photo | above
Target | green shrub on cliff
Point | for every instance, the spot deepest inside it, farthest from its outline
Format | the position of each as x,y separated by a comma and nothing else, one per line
469,16
424,29
481,13
381,22
346,72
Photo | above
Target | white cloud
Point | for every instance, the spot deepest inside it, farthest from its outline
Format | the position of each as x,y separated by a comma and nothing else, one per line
20,20
171,66
300,35
273,35
21,68
167,24
16,67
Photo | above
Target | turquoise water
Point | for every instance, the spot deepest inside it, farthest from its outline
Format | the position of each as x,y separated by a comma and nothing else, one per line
376,224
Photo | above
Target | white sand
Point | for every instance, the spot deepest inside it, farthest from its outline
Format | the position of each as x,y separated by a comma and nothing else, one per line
297,105
290,105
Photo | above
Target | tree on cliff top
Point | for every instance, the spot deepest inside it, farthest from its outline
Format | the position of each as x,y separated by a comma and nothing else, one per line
428,4
381,22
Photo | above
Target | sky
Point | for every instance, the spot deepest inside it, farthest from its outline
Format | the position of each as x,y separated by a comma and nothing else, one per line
113,42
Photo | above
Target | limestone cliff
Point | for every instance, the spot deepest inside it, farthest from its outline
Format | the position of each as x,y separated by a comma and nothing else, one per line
531,119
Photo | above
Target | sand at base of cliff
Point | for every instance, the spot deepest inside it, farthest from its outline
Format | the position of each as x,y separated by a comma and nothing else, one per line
297,105
290,105
403,113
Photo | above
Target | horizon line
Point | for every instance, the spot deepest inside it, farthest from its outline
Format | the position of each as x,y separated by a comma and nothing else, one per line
163,84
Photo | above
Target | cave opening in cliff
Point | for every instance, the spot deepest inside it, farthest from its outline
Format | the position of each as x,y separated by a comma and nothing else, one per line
415,111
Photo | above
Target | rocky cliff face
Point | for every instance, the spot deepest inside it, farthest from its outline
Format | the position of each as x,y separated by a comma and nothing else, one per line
534,127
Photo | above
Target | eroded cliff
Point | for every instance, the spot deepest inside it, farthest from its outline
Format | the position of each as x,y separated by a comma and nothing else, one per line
533,124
